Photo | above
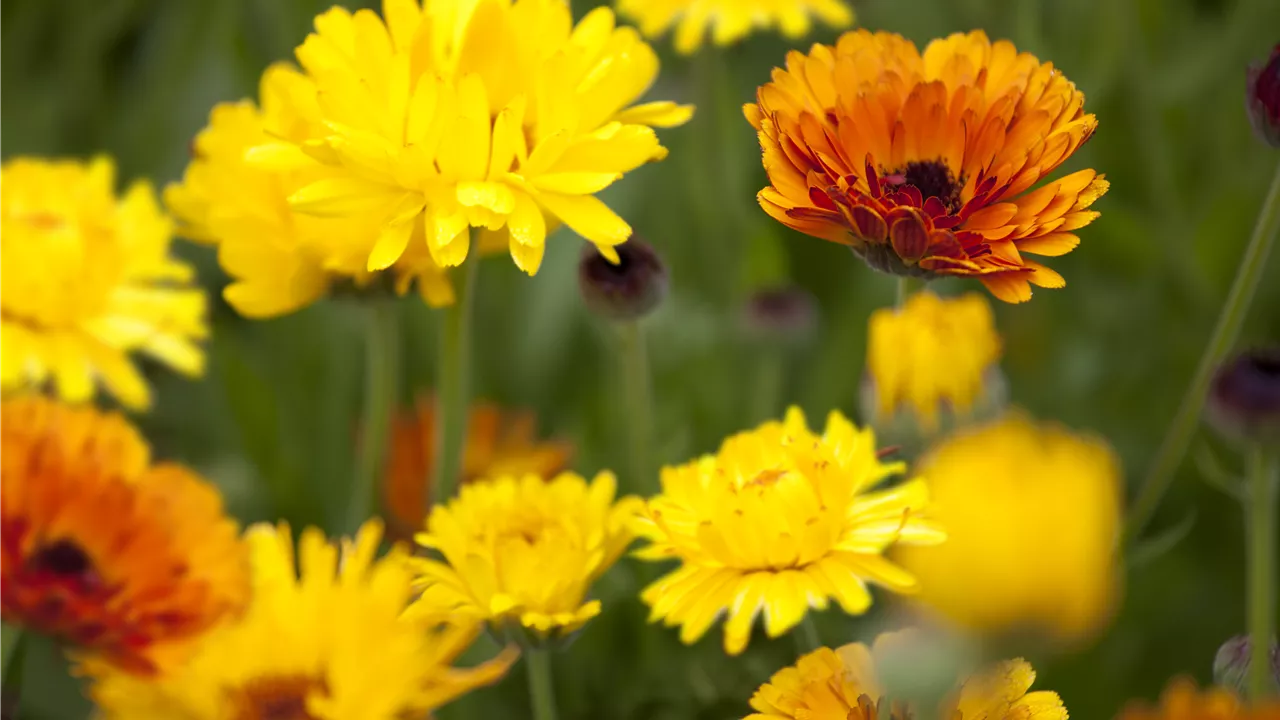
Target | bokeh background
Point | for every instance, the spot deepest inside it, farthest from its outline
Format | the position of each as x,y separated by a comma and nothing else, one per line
273,421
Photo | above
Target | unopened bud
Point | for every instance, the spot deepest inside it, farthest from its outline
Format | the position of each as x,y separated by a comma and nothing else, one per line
1231,664
628,289
1263,98
1244,398
787,314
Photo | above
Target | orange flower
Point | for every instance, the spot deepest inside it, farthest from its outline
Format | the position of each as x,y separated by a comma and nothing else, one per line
498,443
1182,701
921,162
103,550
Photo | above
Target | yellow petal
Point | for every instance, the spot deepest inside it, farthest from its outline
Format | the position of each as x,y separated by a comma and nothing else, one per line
589,217
662,114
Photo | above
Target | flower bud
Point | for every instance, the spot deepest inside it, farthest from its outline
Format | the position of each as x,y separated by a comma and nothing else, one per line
1263,98
785,314
1231,664
1244,397
628,289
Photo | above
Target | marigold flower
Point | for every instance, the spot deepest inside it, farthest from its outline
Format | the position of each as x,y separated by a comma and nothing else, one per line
324,639
281,260
522,552
492,114
781,519
845,684
103,550
88,279
1181,700
921,163
731,20
1032,513
498,443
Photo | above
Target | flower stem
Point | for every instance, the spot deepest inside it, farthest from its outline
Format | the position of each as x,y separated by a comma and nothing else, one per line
541,690
453,386
15,655
906,287
635,379
1231,317
1264,479
807,637
381,370
770,376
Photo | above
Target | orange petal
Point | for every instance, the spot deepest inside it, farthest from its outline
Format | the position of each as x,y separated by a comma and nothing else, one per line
1052,245
1009,287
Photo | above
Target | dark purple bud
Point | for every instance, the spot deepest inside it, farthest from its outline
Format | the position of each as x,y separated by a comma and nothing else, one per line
628,290
1244,398
1263,98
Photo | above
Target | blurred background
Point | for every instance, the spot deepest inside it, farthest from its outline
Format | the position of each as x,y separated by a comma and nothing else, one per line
274,420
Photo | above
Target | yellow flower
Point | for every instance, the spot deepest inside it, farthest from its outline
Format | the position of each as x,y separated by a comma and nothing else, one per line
779,520
731,20
1182,701
923,163
324,639
1032,515
846,684
280,260
523,551
930,354
88,279
491,114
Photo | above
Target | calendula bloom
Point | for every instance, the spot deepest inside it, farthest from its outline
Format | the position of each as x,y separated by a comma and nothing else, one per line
521,552
281,260
846,684
102,549
498,443
931,354
921,163
1032,513
494,114
781,519
88,280
731,20
324,638
1181,700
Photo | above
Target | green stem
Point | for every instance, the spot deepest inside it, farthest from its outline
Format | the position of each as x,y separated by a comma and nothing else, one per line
382,352
907,286
15,655
639,399
453,386
1264,478
1174,447
542,693
767,388
806,635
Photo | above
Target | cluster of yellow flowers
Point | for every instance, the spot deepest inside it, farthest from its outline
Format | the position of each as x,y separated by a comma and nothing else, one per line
401,139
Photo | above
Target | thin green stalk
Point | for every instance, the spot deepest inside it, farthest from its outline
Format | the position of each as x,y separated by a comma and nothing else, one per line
770,376
1178,436
1264,478
382,351
639,399
542,693
453,378
15,656
907,286
806,635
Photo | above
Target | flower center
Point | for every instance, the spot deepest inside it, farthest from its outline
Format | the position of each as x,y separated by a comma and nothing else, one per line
932,178
276,698
64,558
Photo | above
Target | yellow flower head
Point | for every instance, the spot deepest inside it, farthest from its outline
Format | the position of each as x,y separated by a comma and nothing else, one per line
845,684
1182,701
494,114
779,520
930,354
280,260
731,20
88,279
523,551
922,163
1032,514
325,638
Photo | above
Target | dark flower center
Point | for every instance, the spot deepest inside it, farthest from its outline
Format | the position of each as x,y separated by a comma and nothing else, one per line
62,557
932,178
276,698
1266,365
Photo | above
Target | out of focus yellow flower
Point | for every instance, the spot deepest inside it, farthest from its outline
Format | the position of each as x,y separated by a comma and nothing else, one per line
780,520
324,638
281,260
88,279
522,552
731,20
494,114
1032,513
931,354
846,684
1181,700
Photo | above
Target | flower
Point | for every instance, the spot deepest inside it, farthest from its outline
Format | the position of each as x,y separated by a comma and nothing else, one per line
626,288
921,162
521,552
102,549
1262,98
323,639
1182,701
731,20
930,354
88,279
779,520
1244,397
846,684
498,443
280,260
490,114
1232,662
1032,513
